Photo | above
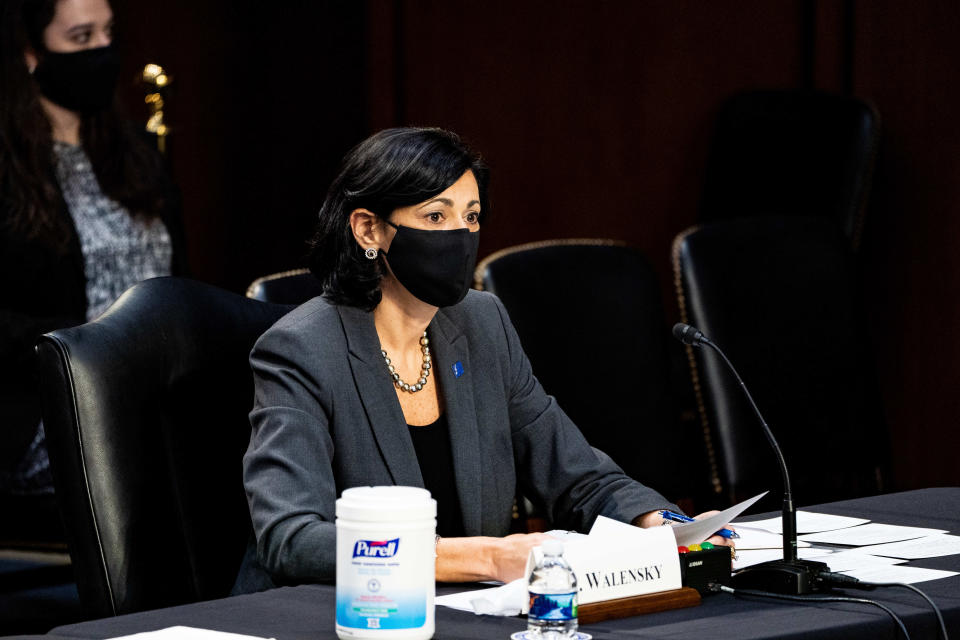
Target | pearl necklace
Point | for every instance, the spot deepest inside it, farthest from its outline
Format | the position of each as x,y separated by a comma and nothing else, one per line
424,368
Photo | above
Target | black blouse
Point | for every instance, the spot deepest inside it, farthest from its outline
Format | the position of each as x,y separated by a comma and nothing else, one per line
434,454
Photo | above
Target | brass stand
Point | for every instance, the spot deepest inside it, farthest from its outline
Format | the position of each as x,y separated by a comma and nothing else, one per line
638,605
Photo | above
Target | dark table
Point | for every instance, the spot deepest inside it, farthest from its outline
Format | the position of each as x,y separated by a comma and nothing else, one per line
308,611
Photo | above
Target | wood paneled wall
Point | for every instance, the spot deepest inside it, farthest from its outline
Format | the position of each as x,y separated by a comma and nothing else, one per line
596,120
905,60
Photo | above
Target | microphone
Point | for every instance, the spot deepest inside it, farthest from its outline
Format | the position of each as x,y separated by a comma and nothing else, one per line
688,335
791,575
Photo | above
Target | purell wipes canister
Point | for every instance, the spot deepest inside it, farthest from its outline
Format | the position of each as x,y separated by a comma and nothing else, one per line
385,563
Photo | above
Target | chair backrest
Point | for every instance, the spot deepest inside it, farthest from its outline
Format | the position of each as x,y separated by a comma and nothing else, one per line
590,317
286,287
145,411
792,153
779,296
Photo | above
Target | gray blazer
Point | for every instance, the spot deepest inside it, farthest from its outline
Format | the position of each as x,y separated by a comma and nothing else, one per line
326,418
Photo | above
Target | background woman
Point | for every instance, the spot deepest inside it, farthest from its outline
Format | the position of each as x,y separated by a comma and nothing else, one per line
399,375
86,209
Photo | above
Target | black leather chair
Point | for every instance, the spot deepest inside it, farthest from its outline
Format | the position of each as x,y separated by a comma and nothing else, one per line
146,416
589,314
779,295
792,153
286,287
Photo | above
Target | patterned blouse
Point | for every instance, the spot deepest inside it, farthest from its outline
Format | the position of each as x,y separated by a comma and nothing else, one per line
119,250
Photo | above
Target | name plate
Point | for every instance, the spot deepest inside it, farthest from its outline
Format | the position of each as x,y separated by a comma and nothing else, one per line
620,563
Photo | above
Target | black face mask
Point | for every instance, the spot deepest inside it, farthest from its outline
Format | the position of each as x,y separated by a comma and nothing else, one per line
81,81
435,266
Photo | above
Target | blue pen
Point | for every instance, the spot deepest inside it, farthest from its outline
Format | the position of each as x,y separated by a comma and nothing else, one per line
679,517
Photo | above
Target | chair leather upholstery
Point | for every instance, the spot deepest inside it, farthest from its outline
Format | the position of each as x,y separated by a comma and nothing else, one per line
779,296
792,153
145,412
589,315
287,287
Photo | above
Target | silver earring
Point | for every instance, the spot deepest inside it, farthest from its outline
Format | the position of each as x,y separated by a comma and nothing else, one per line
371,253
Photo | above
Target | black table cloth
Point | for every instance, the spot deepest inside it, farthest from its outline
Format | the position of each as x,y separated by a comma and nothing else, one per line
308,611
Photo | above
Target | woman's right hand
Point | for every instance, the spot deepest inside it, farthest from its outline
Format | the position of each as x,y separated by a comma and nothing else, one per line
510,556
484,558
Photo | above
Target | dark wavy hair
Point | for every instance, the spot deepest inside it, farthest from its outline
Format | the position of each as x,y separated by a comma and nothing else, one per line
127,168
391,169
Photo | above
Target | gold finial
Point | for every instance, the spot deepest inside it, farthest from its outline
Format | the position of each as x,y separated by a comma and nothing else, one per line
156,79
152,72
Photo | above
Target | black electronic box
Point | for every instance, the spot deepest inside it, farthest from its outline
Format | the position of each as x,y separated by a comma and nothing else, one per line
700,568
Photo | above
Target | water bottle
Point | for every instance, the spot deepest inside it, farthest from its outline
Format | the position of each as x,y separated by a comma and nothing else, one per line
553,596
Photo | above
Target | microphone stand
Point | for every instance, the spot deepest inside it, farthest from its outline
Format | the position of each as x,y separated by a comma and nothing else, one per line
791,575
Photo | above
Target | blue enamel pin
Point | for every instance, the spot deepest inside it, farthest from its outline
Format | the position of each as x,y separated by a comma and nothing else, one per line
457,369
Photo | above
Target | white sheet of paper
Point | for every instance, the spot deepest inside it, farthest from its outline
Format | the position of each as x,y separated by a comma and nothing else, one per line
686,533
809,522
869,534
696,532
750,557
187,633
927,547
856,559
896,573
502,600
751,538
464,599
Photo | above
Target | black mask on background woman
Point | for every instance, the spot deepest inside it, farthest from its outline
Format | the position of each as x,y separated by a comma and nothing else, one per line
435,266
82,81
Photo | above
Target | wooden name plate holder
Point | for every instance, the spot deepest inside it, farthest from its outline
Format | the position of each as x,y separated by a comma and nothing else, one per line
638,605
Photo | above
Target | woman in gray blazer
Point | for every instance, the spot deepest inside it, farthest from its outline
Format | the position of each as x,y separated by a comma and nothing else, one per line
400,375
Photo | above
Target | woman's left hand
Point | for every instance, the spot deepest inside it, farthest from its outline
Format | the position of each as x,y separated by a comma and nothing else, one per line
716,539
654,519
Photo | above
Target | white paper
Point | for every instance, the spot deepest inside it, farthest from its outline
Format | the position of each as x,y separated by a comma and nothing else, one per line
696,532
605,528
809,522
896,573
505,600
933,546
686,533
187,633
868,534
751,538
750,557
856,559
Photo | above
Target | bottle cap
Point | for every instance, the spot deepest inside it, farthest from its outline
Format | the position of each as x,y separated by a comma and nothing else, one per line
552,547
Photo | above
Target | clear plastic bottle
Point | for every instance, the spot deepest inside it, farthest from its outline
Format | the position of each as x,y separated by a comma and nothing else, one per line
553,596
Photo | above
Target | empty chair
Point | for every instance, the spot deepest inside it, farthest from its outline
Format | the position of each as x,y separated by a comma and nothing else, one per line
792,153
779,296
286,287
590,317
146,416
